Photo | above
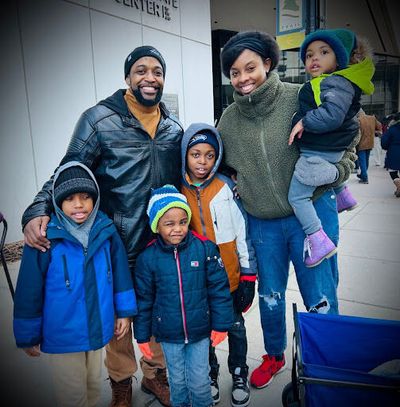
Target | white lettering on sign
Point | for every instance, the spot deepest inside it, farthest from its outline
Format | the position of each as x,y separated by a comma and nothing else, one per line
157,8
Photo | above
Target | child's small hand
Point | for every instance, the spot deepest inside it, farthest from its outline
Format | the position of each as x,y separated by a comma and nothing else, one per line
145,349
34,351
296,131
217,337
121,327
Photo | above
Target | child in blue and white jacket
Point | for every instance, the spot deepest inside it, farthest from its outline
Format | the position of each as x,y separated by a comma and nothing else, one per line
68,297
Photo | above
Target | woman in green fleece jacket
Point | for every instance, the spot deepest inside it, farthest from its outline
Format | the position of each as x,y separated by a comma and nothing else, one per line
255,130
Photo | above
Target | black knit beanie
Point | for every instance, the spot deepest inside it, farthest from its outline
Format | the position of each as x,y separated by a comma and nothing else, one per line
262,43
71,181
140,52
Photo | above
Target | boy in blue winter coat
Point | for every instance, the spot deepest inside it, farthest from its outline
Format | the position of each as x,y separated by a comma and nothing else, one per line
67,298
183,298
326,125
217,213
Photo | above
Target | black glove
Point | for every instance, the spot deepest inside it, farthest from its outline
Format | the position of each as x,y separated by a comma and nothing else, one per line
244,295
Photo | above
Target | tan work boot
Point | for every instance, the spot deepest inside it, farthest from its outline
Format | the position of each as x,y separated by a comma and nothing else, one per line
158,386
396,182
121,393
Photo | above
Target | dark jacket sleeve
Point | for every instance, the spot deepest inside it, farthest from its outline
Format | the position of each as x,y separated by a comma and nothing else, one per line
336,98
124,294
219,297
28,301
386,139
83,147
145,294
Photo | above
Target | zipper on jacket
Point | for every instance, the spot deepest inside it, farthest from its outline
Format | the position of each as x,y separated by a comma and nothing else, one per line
203,226
108,266
154,167
178,266
66,275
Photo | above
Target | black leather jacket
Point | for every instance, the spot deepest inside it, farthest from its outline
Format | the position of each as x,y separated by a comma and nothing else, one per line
127,163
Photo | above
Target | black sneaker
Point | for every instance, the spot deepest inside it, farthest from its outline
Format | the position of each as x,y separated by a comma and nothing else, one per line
240,391
215,389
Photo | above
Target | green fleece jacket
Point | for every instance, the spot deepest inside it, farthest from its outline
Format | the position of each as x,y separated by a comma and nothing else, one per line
255,132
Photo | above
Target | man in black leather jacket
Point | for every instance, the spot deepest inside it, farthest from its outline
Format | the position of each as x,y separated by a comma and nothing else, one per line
132,144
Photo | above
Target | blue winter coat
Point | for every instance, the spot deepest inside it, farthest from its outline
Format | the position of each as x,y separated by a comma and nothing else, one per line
390,141
66,299
182,292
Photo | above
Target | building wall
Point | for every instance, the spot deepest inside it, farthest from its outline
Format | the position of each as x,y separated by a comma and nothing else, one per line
61,57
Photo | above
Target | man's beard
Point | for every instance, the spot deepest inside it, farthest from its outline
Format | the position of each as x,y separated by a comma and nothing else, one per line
147,102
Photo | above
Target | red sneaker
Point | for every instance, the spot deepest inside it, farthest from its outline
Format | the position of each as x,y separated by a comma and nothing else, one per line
262,376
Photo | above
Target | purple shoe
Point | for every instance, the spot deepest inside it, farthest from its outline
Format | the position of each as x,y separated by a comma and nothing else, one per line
345,200
318,247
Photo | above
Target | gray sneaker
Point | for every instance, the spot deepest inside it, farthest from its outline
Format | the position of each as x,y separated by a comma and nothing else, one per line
240,390
215,389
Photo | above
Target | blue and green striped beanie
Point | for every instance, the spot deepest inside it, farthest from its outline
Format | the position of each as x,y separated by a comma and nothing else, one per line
161,200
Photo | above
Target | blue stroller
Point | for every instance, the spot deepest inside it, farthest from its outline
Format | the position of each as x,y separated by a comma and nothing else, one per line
333,356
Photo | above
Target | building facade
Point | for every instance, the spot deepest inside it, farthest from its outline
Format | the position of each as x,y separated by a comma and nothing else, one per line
61,57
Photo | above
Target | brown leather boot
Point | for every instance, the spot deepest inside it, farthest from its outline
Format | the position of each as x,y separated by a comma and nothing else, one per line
158,386
121,393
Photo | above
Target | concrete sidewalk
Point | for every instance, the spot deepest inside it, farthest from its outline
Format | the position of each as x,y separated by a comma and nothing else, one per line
369,264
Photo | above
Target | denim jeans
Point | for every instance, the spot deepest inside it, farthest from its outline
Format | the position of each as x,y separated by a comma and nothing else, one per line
188,373
237,342
363,160
300,194
279,241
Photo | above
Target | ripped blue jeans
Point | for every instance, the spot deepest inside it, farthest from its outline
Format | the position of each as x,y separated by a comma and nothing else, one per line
279,241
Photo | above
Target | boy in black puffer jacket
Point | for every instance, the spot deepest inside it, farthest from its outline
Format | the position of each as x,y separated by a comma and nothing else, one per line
183,298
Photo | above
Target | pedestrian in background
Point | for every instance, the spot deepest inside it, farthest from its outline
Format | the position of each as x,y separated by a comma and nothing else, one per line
391,143
377,152
369,124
